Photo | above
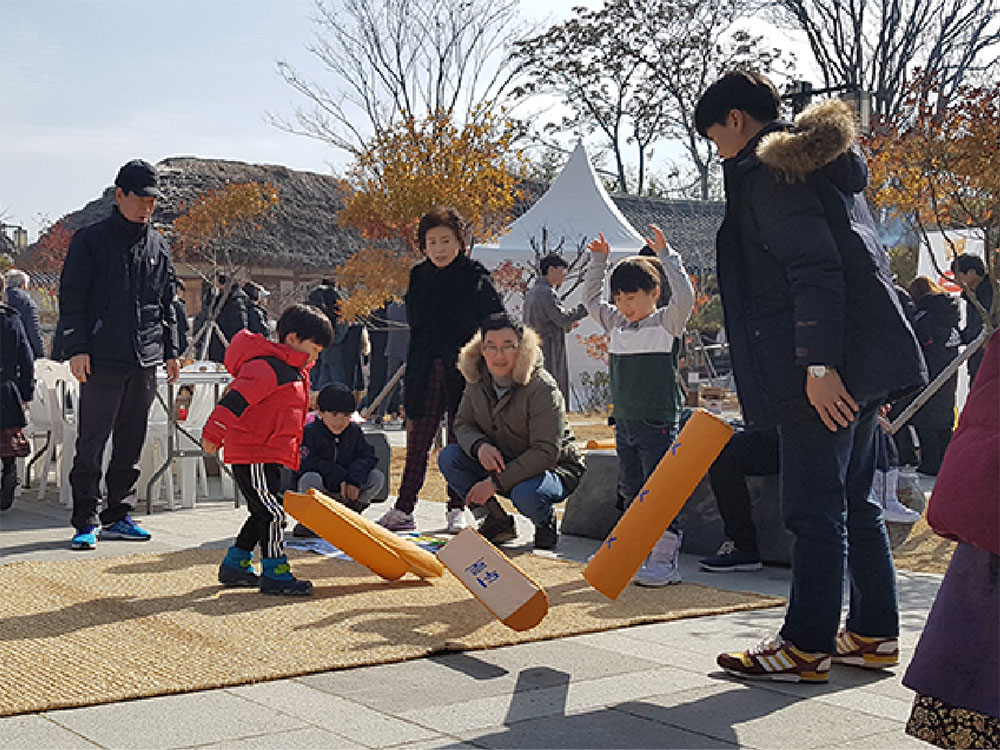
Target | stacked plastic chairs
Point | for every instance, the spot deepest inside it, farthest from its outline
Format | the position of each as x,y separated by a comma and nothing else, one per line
52,426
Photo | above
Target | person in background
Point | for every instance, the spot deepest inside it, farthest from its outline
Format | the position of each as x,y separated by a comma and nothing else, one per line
513,436
180,311
644,349
116,315
17,388
27,308
337,459
329,367
378,335
259,422
232,319
551,321
448,298
749,453
936,324
212,297
971,270
818,344
256,314
396,345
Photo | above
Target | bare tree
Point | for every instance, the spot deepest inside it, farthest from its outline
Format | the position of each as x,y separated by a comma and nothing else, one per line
876,44
633,70
395,58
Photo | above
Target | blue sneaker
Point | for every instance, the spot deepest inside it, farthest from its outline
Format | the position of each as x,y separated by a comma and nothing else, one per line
85,538
126,529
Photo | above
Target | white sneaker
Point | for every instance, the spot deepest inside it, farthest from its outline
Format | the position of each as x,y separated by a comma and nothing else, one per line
895,512
661,567
456,520
397,520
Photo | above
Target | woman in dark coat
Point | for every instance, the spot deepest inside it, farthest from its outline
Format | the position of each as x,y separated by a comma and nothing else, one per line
17,387
448,298
936,325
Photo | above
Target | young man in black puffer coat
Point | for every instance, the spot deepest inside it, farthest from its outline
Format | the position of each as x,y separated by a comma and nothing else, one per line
818,343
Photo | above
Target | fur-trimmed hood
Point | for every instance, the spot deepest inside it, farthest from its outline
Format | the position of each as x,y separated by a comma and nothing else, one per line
822,134
529,356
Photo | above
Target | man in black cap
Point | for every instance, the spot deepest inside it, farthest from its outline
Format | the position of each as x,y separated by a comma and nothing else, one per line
117,325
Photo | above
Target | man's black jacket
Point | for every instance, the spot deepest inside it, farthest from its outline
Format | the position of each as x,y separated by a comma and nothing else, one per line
116,295
803,276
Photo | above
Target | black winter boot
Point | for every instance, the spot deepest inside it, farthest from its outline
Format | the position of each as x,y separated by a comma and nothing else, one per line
498,525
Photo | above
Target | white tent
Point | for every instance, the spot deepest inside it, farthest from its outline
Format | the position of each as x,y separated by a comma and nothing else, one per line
575,208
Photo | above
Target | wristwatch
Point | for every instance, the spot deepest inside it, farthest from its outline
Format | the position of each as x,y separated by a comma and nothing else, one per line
818,371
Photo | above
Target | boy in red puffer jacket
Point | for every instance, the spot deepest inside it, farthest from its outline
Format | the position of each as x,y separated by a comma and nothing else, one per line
259,421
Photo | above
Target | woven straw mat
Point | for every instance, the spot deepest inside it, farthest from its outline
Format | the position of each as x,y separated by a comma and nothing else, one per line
107,629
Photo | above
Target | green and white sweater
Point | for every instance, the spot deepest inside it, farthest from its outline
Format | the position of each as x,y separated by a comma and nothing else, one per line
643,355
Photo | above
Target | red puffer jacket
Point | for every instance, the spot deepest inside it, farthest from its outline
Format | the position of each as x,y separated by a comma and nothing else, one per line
260,418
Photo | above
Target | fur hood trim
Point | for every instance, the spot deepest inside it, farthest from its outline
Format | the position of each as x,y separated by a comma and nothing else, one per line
529,356
823,131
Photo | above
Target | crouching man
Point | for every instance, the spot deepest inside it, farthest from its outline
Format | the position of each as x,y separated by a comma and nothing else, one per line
513,436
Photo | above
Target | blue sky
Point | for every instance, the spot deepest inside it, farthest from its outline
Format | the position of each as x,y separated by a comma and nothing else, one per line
86,85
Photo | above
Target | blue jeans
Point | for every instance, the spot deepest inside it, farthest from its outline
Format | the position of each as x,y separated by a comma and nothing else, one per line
640,446
533,497
826,480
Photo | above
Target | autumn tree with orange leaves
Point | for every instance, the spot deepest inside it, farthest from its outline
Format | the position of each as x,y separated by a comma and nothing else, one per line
934,163
50,250
210,228
404,172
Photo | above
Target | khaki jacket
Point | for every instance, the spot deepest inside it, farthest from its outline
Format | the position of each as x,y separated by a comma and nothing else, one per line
528,424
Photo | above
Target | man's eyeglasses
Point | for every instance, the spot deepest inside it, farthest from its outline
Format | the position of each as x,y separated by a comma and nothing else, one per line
495,350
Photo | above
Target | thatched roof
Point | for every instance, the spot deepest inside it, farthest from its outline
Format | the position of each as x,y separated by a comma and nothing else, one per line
302,230
690,226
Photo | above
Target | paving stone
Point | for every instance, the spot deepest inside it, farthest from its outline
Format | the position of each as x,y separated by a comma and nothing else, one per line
749,715
599,728
33,731
357,723
174,721
310,738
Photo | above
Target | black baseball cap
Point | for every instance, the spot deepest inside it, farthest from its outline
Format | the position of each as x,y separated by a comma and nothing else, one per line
139,177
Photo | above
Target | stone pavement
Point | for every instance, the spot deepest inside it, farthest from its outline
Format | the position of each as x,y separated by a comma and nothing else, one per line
649,686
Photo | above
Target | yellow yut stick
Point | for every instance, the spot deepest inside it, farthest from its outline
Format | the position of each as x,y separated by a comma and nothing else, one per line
504,589
658,503
367,543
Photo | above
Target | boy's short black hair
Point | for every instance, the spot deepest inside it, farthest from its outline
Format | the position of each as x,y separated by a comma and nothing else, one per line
336,398
633,274
498,321
552,260
738,89
964,263
307,322
442,216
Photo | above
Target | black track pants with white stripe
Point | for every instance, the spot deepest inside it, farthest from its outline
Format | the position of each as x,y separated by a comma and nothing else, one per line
261,486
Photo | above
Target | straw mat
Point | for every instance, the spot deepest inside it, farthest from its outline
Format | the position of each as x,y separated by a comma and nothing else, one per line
99,630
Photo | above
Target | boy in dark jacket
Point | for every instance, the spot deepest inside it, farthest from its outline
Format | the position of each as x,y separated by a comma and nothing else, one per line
336,457
259,422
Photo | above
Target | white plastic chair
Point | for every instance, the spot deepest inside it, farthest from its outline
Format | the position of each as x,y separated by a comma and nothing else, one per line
154,453
192,470
45,433
193,474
